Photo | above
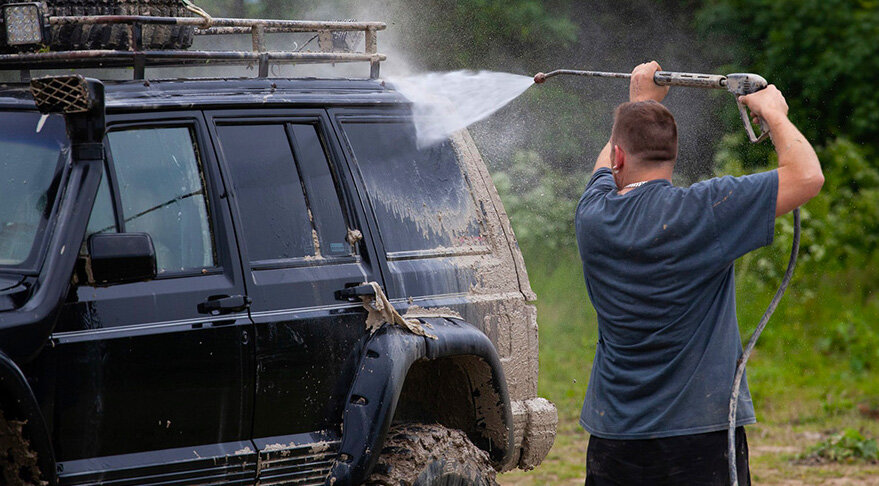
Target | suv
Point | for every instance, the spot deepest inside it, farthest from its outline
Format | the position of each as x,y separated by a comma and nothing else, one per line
253,280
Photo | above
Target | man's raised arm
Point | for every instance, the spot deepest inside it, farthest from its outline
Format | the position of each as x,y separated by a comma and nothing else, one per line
799,172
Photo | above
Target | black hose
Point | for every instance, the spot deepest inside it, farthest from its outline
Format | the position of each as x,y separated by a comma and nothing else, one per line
746,353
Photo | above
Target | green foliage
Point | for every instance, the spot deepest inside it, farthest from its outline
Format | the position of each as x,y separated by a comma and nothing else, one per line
540,203
521,22
840,225
821,53
847,446
852,337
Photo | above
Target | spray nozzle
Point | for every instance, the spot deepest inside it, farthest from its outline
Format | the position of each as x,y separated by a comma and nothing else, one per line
539,78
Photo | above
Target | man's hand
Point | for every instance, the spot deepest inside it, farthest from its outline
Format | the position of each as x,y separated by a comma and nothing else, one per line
768,104
642,87
799,172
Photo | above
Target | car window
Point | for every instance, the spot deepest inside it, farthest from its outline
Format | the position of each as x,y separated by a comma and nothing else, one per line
420,195
31,152
162,191
288,200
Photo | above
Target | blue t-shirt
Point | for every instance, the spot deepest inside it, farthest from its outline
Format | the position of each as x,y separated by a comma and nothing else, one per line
658,263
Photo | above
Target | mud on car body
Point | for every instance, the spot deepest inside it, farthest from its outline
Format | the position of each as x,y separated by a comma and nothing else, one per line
182,298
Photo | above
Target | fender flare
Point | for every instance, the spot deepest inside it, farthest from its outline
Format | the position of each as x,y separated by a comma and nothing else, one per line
372,399
17,393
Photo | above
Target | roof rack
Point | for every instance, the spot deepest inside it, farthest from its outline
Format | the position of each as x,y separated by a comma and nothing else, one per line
139,59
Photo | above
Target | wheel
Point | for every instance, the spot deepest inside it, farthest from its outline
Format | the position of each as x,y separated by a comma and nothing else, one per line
18,462
431,455
107,36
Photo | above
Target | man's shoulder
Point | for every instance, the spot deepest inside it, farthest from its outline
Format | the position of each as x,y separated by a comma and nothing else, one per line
718,191
601,180
729,180
601,183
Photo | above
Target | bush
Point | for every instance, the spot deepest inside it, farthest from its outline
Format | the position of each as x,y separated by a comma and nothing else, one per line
847,446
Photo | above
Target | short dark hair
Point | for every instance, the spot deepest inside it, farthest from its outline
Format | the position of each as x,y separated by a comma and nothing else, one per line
646,130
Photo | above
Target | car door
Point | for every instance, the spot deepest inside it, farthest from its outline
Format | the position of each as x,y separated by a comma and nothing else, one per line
302,239
148,385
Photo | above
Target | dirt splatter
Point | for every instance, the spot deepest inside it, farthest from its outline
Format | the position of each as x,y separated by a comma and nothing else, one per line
412,449
314,239
18,462
353,236
417,312
539,434
283,450
318,447
381,311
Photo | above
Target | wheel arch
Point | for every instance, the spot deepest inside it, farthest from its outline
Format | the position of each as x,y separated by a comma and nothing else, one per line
17,401
459,392
390,377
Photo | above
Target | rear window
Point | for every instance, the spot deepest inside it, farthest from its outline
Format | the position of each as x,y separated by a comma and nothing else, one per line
421,196
286,192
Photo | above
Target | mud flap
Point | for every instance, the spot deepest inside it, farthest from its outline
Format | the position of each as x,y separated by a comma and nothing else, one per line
375,392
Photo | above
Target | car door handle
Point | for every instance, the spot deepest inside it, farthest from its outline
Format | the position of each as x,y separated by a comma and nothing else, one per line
224,304
353,292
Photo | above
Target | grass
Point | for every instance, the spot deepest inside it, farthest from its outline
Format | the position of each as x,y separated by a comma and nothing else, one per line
811,376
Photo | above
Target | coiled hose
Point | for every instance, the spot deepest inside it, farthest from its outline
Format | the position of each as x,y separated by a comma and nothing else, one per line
746,353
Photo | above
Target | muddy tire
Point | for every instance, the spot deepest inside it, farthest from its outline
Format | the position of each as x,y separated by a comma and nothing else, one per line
96,36
431,455
18,462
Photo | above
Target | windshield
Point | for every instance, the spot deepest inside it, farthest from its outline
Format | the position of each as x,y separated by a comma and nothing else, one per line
30,170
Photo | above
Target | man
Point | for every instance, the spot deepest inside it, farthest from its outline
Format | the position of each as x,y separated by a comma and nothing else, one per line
658,262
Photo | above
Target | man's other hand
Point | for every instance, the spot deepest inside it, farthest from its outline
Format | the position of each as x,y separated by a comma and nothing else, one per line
768,104
799,172
642,87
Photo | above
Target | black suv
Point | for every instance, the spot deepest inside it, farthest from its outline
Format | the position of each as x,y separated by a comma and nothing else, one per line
251,281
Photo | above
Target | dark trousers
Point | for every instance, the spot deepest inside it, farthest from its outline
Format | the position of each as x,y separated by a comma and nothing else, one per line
699,459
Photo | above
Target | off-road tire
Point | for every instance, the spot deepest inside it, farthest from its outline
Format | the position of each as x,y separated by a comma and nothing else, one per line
431,455
107,36
18,462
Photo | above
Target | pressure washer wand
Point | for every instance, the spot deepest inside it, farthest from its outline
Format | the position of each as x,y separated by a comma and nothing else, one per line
738,84
662,78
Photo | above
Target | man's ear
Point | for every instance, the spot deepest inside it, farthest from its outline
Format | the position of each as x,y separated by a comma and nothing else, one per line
618,158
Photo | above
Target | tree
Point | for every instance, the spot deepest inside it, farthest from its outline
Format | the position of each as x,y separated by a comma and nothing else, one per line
822,54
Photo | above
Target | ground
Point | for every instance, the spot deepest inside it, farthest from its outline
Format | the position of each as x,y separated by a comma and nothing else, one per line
801,395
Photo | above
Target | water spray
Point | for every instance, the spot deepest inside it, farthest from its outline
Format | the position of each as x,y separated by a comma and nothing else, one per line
738,84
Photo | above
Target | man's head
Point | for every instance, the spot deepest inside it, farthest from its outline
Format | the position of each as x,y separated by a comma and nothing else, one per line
644,140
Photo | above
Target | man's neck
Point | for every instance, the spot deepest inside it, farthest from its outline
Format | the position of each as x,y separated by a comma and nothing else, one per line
643,176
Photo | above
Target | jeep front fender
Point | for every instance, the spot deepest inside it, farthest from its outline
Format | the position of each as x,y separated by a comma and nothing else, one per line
372,400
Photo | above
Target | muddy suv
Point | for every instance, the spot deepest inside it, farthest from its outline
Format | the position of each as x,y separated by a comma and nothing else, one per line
251,281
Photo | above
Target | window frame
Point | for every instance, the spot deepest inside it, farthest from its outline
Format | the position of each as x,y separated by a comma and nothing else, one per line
200,147
335,163
398,115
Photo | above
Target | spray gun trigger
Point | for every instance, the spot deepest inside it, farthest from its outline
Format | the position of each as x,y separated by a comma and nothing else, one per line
746,120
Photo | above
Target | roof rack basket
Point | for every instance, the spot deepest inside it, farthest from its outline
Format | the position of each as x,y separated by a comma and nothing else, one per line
138,58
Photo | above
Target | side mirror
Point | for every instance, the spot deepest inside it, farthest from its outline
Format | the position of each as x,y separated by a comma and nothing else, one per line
121,257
